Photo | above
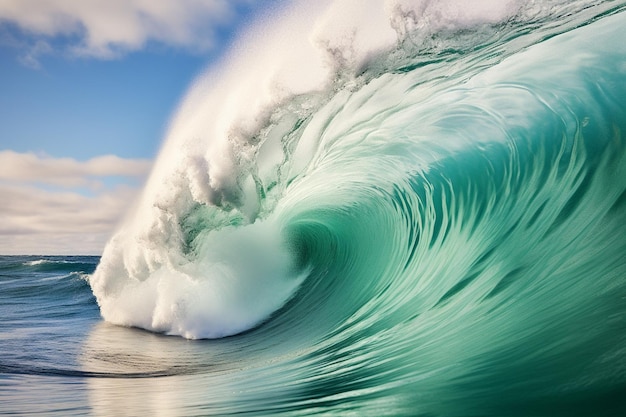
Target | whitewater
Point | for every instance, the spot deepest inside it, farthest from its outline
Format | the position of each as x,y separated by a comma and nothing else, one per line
370,208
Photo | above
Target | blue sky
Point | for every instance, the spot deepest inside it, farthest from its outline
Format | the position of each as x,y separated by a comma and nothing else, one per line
87,90
85,107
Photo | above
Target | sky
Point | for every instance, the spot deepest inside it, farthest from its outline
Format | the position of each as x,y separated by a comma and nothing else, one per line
86,92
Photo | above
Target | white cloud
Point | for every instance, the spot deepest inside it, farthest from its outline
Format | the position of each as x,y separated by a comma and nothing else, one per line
106,28
38,219
68,172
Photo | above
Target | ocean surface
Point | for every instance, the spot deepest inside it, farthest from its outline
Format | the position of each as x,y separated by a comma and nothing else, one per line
402,208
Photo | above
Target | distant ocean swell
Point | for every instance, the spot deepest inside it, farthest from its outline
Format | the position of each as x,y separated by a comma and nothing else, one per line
435,225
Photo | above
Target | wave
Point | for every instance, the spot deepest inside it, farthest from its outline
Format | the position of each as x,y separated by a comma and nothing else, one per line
375,165
427,202
39,264
408,208
404,137
44,281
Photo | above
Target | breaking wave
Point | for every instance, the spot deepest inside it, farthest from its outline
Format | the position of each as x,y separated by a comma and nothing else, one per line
416,197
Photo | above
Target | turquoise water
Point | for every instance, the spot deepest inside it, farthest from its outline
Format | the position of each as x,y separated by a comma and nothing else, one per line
434,227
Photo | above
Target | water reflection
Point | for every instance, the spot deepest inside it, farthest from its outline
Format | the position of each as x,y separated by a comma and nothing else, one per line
134,372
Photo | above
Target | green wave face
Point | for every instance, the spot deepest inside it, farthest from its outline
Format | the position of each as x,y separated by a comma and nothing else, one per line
438,230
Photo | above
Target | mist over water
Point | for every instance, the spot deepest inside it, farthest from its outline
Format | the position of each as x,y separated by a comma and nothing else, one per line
386,208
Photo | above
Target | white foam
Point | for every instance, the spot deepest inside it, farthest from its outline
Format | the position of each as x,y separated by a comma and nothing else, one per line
37,262
238,279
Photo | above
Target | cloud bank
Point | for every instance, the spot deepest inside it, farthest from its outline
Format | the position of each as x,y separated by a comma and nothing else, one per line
61,205
67,172
108,28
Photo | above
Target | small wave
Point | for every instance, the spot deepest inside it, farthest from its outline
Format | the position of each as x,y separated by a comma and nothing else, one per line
58,265
20,369
45,261
37,262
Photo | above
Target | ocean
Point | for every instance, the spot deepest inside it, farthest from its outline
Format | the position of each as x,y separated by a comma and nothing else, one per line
407,208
